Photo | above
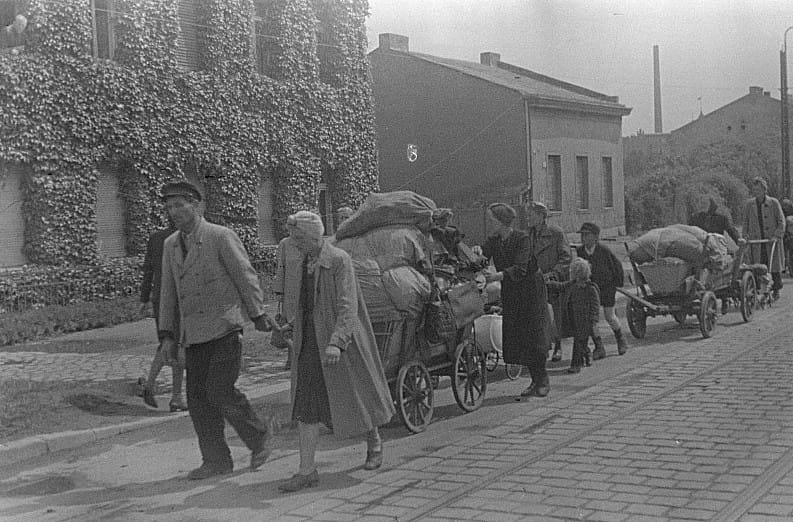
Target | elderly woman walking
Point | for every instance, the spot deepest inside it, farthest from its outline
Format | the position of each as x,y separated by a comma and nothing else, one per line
523,297
337,376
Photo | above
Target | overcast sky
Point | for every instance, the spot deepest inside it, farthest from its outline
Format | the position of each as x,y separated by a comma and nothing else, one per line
709,49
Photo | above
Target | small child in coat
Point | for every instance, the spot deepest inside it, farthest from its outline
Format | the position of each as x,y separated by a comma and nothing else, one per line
583,310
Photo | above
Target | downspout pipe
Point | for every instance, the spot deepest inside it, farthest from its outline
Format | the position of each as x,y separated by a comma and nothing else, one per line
529,167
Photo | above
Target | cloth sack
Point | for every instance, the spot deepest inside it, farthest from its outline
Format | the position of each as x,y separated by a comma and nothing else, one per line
467,303
401,207
281,338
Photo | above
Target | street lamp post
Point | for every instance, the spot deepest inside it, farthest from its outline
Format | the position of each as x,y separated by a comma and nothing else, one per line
785,121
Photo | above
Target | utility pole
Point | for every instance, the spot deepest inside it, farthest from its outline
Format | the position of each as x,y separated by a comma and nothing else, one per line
785,117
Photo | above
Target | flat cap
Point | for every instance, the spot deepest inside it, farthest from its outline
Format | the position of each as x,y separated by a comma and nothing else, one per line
590,227
180,188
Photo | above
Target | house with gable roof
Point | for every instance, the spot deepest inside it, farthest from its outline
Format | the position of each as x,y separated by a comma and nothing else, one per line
467,134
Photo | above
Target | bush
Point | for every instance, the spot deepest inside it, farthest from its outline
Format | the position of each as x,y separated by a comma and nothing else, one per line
31,325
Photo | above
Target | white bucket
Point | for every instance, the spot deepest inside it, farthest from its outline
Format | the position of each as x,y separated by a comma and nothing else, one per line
488,332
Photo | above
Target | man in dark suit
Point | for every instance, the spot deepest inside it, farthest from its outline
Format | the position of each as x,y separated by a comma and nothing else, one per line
150,292
713,221
209,291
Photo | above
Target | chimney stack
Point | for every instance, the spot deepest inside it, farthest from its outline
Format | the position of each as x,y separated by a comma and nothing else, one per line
393,42
490,59
659,128
755,90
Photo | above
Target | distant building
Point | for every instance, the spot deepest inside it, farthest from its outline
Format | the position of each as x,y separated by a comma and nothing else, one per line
467,134
752,118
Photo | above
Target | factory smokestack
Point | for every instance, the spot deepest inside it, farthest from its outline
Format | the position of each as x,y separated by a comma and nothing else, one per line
659,127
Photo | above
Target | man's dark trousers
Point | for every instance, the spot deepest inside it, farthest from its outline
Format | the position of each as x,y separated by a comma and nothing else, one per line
212,370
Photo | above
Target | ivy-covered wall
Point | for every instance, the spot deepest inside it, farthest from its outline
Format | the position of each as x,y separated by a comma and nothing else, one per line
65,114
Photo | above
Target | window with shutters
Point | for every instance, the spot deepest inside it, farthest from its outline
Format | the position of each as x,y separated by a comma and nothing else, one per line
326,208
103,21
267,233
12,222
582,181
265,44
188,41
608,183
554,182
110,215
328,53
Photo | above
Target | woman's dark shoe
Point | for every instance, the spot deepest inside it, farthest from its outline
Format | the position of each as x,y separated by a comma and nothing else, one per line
298,482
374,459
208,470
557,354
599,352
574,369
528,392
148,398
177,405
542,390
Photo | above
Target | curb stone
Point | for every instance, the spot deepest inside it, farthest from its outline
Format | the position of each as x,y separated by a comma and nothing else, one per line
20,450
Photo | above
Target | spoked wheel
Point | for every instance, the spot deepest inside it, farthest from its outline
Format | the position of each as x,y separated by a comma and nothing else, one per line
491,360
708,312
414,396
637,319
748,295
469,376
513,371
680,317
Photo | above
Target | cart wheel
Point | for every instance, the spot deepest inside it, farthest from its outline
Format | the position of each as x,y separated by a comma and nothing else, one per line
469,378
491,360
680,317
414,396
637,320
708,312
748,295
513,371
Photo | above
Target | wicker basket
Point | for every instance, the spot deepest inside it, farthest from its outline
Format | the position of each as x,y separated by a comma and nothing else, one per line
666,275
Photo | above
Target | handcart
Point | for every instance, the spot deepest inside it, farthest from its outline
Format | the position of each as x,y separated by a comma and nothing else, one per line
679,290
414,364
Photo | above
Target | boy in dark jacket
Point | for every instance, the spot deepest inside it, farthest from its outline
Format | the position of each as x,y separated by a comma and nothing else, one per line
608,275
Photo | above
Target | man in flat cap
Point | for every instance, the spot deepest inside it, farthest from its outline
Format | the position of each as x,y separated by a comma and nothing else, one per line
764,219
608,274
209,290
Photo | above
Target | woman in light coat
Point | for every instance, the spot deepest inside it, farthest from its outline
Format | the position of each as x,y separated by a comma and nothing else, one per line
337,376
763,207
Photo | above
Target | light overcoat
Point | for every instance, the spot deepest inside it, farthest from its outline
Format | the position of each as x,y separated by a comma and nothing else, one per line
357,388
550,247
773,228
211,292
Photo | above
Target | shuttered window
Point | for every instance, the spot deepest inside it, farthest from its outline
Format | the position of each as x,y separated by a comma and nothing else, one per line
110,216
582,181
188,42
267,232
554,182
326,209
328,53
12,223
608,183
104,44
265,45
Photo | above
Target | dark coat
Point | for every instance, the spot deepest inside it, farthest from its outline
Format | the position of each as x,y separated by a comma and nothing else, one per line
152,266
607,272
773,228
523,297
580,308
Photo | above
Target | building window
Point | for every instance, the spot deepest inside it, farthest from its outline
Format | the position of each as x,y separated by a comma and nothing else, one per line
104,45
555,182
328,53
608,183
188,54
265,44
326,208
582,181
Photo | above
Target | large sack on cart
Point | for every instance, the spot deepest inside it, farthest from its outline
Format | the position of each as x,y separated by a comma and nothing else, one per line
667,275
389,208
389,246
680,241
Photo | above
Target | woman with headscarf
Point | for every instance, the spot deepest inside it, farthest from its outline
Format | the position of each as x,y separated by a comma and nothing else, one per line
337,376
523,297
